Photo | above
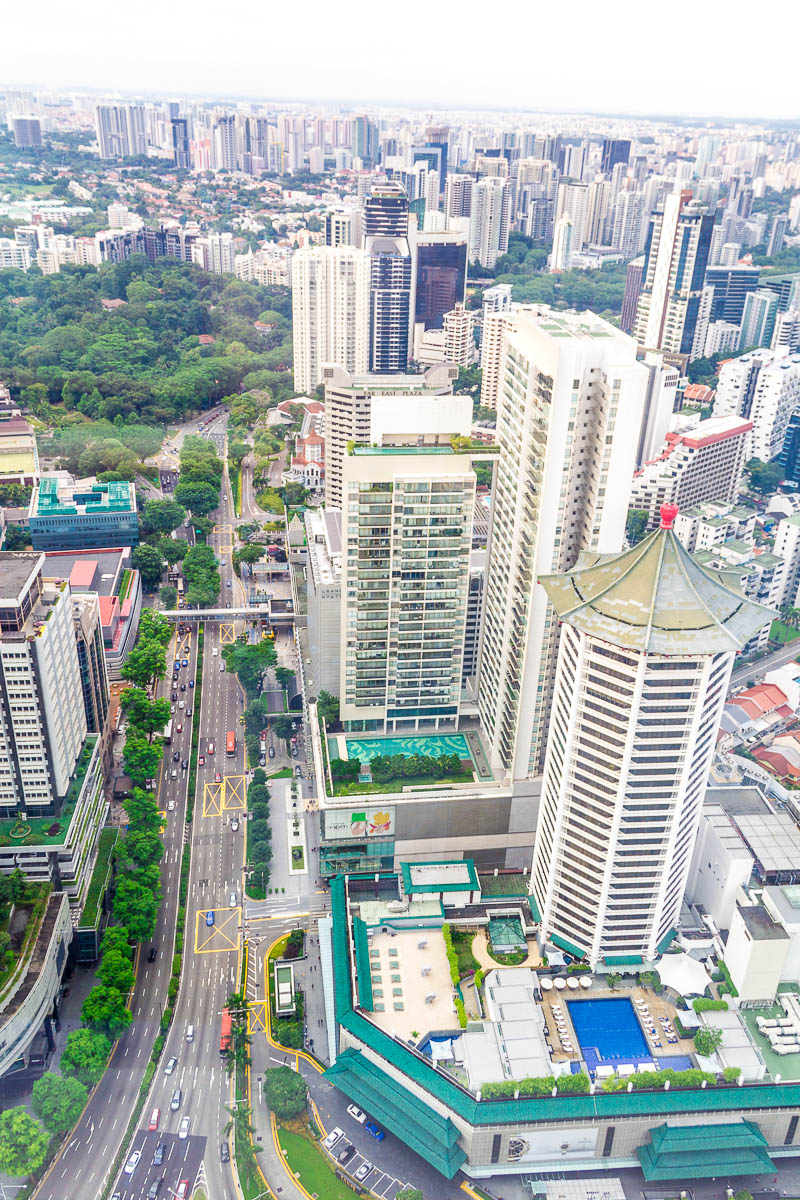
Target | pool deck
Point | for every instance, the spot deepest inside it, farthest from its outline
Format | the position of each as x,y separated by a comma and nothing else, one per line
659,1006
468,745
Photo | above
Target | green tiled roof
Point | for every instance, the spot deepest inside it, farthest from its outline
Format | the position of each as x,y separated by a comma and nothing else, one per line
470,884
363,975
705,1151
433,1136
601,1106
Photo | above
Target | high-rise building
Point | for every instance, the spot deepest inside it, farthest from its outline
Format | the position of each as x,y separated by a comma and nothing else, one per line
330,312
459,339
365,141
732,285
676,256
14,255
216,253
615,150
42,714
634,277
489,220
441,281
777,234
27,131
569,415
458,196
438,136
626,232
702,465
659,405
758,319
564,247
180,142
406,545
348,410
82,516
763,387
224,142
572,200
786,334
343,227
647,644
121,130
391,306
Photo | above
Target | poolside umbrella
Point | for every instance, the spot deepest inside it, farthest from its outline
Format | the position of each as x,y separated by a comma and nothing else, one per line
586,981
560,983
573,984
546,985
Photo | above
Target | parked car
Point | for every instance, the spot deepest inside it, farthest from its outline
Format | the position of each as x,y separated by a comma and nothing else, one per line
363,1171
357,1113
271,751
133,1162
330,1140
171,1065
375,1131
345,1154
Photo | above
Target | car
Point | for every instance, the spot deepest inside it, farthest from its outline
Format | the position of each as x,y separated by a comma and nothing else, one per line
222,562
181,704
182,1190
363,1171
232,901
215,653
189,712
190,1033
185,765
174,697
151,954
224,1152
155,1117
170,806
375,1131
217,777
201,760
234,824
211,748
155,1187
210,917
172,710
346,1153
179,728
176,757
271,751
133,1162
294,748
356,1113
183,687
174,773
158,1157
183,1128
171,1065
185,662
191,683
175,1102
228,583
227,603
298,771
222,668
330,1139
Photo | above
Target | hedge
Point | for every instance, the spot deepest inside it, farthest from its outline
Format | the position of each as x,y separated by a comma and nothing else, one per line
703,1004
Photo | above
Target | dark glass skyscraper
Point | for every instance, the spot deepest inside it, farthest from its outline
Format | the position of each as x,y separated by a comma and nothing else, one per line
391,277
615,150
441,276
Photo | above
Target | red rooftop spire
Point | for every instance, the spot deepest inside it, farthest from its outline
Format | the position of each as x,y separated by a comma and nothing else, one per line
668,514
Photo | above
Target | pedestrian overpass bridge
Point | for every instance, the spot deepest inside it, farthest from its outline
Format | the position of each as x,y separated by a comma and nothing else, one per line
280,614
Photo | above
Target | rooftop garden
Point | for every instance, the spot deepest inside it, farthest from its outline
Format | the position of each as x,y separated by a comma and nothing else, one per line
391,772
38,831
125,580
99,880
18,930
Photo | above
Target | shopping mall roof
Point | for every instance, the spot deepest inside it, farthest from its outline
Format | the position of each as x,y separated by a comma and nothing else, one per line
655,598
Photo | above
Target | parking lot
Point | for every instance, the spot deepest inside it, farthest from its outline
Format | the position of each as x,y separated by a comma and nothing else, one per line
375,1179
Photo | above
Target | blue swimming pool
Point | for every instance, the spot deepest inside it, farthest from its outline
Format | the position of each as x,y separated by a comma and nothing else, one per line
434,745
610,1028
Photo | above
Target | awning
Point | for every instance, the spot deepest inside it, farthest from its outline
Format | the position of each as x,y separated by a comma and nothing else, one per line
683,973
705,1151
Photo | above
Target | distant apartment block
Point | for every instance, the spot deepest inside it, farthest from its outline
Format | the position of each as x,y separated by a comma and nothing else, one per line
19,457
83,515
763,387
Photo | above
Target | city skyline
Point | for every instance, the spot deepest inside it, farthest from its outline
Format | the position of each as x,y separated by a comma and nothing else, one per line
594,82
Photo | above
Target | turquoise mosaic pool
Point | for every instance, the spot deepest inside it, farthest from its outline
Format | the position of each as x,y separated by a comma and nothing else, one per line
434,745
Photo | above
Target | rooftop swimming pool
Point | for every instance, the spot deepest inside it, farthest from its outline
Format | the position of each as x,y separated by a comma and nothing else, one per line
433,745
609,1027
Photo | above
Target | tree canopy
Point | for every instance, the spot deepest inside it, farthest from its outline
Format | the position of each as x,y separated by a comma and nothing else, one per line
285,1092
23,1142
58,1101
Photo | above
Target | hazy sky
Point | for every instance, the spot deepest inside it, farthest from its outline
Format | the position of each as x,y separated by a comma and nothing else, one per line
632,56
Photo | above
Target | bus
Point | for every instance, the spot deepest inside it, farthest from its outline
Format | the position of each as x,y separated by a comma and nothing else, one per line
225,1033
230,744
167,734
179,585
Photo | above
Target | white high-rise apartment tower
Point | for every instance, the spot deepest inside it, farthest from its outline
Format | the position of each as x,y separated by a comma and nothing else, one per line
648,639
42,714
330,312
570,409
763,387
489,220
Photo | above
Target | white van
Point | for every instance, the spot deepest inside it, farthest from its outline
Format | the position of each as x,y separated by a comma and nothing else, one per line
190,1033
232,900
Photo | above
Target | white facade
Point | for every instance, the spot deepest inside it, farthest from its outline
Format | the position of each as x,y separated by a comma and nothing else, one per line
324,540
763,387
330,312
787,547
459,341
755,953
14,256
489,220
569,415
721,866
215,253
495,325
270,266
564,244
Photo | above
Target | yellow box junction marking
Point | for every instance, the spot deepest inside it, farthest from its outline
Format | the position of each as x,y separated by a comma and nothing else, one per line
213,797
220,937
234,797
227,633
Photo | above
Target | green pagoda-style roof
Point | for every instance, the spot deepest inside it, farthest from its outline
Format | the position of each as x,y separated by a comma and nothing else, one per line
655,597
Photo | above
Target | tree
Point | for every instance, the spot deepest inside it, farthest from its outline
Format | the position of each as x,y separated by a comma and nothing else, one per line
155,627
201,498
141,758
146,663
104,1010
409,1193
136,907
764,476
115,971
250,553
237,451
283,727
706,1041
249,663
116,938
285,1092
149,562
328,707
168,595
142,812
23,1142
142,848
172,550
58,1101
636,525
144,715
284,676
16,538
85,1056
162,516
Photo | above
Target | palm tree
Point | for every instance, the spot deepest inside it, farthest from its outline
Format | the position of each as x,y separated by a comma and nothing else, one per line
239,1050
